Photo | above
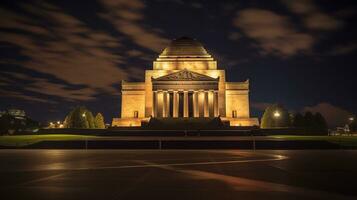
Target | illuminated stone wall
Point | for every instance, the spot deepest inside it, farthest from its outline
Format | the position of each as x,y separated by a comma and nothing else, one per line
133,99
180,65
237,99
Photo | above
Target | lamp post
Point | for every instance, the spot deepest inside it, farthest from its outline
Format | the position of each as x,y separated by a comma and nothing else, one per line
276,114
86,139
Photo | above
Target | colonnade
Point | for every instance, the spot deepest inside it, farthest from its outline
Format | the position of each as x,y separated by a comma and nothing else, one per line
201,103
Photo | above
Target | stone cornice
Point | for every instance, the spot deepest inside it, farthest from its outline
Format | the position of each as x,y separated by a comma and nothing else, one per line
185,75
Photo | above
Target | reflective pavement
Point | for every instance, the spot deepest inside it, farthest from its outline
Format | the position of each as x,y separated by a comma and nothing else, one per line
178,174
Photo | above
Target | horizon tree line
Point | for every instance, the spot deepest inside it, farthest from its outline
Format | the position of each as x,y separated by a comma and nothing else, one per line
81,117
276,116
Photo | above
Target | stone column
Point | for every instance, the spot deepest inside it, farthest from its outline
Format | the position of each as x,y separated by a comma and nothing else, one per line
168,104
201,97
160,102
175,104
154,104
185,103
165,103
211,103
195,104
205,104
215,103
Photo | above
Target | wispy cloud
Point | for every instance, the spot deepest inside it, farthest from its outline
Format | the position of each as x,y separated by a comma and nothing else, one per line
126,17
60,45
344,49
274,33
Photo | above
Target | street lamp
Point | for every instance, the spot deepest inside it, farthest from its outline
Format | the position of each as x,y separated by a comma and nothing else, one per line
276,114
84,115
351,119
58,122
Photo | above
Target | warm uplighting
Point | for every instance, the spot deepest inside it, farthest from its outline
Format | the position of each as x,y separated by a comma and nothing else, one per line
276,114
57,124
84,115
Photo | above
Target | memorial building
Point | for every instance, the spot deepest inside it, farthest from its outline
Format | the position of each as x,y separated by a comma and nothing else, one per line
185,83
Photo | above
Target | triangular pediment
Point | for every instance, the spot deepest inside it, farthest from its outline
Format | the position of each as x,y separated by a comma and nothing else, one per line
185,75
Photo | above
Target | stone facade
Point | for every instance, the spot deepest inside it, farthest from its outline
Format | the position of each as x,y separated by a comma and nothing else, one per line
185,82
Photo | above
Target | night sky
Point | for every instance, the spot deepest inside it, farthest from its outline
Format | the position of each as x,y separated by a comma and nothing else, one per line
55,55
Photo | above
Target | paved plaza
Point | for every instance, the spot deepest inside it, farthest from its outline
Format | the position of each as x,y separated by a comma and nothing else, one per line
178,174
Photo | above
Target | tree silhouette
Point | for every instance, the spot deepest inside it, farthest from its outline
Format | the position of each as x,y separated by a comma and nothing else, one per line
310,123
298,120
99,121
79,117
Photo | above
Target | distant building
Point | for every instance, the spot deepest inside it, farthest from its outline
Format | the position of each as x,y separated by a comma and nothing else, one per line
17,113
185,83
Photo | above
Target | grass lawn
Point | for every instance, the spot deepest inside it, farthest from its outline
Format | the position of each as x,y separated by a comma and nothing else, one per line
342,140
23,140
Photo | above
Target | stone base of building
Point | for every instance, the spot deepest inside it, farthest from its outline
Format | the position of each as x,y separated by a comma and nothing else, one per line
138,122
128,122
241,121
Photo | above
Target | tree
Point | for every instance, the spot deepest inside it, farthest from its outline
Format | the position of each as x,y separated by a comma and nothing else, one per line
310,123
320,124
99,121
90,119
309,120
299,121
79,117
11,124
275,116
67,120
31,124
7,122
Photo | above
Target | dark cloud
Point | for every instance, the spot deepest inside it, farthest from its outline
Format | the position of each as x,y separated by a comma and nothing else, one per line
261,106
126,18
313,17
344,49
68,50
20,95
334,115
196,5
83,60
234,36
